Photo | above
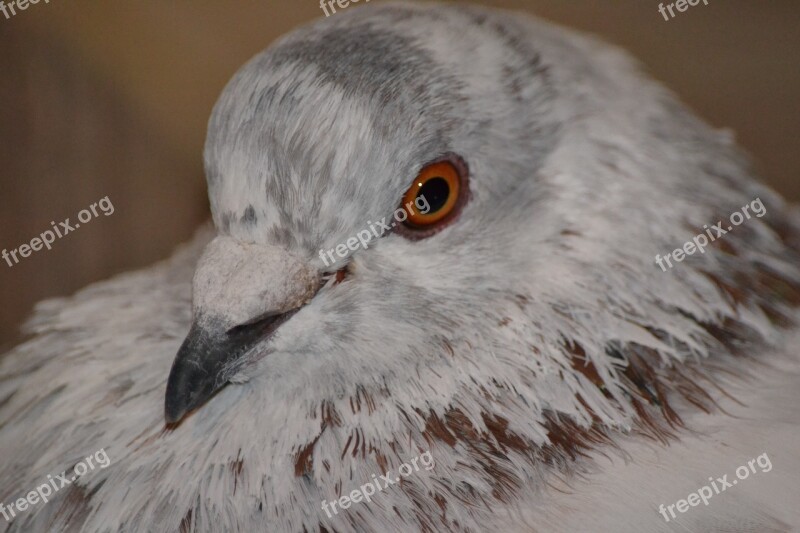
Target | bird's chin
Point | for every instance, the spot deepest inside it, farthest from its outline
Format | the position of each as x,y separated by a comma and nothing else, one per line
254,363
239,378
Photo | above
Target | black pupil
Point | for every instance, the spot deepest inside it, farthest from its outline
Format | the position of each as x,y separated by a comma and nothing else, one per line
436,191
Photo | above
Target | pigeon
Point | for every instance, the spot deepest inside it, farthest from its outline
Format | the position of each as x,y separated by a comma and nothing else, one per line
435,297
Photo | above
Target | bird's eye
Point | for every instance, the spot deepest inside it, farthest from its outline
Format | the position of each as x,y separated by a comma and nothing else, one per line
435,197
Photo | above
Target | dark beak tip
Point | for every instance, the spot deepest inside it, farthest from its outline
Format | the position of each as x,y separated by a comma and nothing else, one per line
179,399
187,390
185,393
179,406
205,360
173,415
174,411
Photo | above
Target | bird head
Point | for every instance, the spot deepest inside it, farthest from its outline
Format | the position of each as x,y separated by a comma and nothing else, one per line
372,192
534,157
436,228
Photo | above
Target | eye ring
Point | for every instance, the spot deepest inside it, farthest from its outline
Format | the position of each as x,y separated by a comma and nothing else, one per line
436,197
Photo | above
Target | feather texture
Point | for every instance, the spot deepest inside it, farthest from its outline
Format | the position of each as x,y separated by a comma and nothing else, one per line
528,347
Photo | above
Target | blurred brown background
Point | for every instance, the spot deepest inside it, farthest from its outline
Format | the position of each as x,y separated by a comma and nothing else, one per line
112,98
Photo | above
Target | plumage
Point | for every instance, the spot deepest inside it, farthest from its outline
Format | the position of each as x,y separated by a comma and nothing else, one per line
560,380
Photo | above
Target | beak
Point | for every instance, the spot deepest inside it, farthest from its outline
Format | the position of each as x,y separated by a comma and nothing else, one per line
232,282
207,359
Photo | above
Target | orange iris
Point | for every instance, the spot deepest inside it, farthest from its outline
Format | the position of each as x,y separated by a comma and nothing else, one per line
433,195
